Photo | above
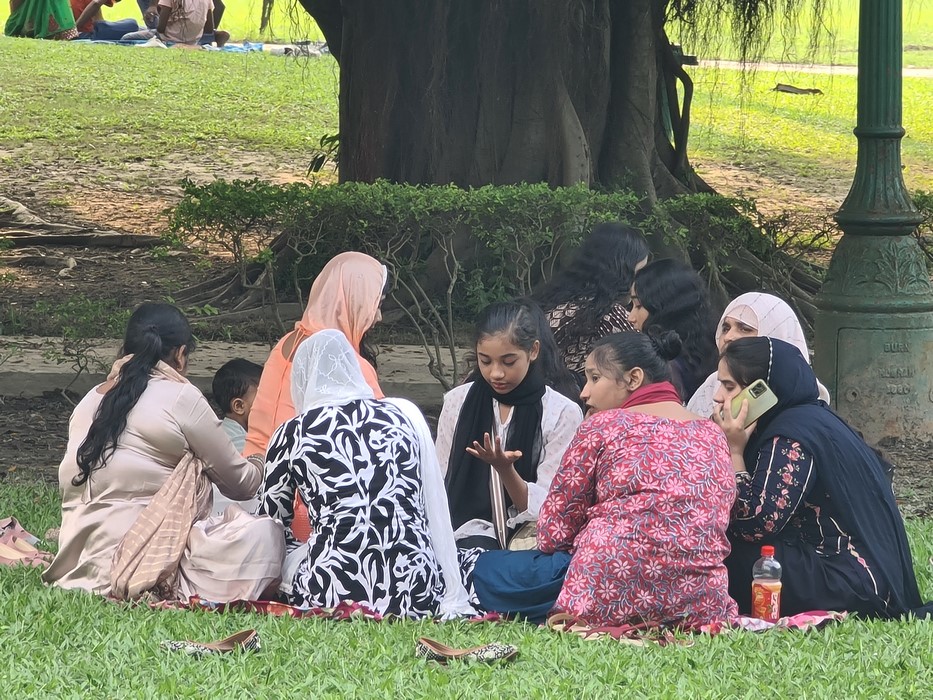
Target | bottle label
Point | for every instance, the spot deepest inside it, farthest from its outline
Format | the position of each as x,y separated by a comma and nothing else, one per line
766,600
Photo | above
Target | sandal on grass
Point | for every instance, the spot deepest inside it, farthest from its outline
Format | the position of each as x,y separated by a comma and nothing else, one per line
15,552
10,528
247,640
431,650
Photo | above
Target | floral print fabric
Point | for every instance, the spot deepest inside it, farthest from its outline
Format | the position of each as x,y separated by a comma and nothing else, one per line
784,495
643,504
774,491
357,467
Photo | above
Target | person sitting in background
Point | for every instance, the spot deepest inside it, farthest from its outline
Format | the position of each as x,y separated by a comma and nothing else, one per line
556,374
811,487
634,526
588,299
670,296
41,19
747,316
92,25
234,389
345,296
87,12
143,449
181,22
150,12
366,470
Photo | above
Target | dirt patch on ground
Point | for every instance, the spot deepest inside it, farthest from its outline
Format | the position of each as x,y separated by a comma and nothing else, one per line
774,196
913,464
33,436
133,197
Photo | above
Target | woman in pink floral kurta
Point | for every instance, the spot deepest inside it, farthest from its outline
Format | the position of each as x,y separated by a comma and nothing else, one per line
643,503
634,526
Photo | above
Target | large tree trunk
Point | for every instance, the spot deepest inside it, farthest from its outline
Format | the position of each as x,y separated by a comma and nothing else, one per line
505,91
477,92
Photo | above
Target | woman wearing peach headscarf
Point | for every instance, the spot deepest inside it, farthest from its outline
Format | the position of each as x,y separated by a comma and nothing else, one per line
345,296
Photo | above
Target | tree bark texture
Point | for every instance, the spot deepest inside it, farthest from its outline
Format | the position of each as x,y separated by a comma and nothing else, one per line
506,91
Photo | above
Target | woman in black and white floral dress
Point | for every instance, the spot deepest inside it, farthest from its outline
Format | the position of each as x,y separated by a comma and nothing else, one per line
368,473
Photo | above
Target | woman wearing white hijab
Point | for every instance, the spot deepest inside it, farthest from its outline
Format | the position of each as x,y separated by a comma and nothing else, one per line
747,316
367,470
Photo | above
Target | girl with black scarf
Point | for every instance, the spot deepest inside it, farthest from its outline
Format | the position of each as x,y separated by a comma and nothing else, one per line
501,435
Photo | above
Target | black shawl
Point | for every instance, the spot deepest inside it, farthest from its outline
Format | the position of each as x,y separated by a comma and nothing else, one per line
467,477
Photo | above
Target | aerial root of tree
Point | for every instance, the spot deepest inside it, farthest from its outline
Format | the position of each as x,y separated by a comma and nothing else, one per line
19,227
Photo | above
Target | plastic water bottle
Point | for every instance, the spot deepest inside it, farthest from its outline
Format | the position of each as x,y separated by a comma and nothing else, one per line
766,586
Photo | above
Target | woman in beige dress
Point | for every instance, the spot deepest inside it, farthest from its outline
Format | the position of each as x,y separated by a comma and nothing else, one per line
143,450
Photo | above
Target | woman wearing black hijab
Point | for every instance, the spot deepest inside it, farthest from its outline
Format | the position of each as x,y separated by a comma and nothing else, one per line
809,485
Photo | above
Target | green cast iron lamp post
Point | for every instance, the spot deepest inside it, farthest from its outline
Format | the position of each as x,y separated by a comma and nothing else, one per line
874,327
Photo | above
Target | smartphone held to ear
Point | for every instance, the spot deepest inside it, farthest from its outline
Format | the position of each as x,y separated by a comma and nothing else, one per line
760,400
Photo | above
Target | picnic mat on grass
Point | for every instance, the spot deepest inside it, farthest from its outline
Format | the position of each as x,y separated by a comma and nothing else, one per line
665,632
661,633
343,611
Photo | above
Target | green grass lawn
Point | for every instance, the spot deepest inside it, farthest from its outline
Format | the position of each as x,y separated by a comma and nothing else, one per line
789,41
59,98
804,137
104,102
61,644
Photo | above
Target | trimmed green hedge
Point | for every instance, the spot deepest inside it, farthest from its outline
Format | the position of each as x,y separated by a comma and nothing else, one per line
451,251
505,239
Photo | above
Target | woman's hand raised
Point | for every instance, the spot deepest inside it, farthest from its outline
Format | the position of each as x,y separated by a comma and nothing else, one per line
503,461
493,454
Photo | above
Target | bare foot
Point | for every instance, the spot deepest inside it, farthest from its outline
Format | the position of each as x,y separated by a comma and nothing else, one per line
221,37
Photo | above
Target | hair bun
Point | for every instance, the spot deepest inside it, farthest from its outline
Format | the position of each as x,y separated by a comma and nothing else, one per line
666,343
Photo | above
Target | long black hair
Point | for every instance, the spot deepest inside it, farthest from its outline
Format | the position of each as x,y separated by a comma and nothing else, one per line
676,299
617,353
524,322
154,333
599,275
556,374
